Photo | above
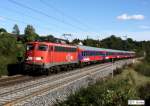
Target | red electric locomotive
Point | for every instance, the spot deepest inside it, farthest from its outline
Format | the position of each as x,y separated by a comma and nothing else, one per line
47,56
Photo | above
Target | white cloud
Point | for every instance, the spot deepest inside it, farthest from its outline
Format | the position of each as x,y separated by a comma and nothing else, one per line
131,17
144,27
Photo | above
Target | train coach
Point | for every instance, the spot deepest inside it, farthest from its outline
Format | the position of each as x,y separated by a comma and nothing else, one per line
118,54
51,57
89,55
92,54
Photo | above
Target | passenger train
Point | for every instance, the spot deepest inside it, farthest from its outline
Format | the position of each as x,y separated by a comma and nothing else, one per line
51,57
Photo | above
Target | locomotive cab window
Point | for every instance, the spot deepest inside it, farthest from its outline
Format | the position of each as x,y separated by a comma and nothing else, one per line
30,47
43,47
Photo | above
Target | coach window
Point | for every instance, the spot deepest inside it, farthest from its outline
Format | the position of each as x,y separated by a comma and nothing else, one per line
83,53
30,47
88,53
42,47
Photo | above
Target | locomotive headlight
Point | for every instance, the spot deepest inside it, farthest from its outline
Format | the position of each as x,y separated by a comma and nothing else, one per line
106,57
29,58
38,58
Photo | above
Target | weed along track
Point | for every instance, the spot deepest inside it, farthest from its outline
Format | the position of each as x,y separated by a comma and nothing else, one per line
9,79
28,92
14,80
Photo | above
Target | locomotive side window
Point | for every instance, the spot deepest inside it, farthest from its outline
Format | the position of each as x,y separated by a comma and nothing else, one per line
64,49
42,47
30,47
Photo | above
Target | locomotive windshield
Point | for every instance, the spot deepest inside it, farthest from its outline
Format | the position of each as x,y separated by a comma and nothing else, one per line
43,47
30,47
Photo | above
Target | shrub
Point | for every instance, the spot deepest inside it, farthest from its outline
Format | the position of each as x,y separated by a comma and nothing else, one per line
8,52
107,93
144,93
143,68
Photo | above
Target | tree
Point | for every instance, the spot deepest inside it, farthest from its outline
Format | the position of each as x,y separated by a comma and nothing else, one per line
147,50
51,38
16,30
29,30
113,42
30,34
2,30
76,41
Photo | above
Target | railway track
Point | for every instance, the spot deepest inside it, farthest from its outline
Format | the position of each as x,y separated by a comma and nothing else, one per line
10,78
33,80
14,80
19,91
22,91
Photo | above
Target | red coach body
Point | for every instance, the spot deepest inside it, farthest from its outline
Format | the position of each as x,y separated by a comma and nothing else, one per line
90,54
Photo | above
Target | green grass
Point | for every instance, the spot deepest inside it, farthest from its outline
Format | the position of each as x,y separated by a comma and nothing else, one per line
143,68
137,78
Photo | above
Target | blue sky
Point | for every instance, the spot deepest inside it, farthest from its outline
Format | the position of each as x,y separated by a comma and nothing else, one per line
96,18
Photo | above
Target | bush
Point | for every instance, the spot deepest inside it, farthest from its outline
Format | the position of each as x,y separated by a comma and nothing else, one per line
143,68
107,93
144,93
8,52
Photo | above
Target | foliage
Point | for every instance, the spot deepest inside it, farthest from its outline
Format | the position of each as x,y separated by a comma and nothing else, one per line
49,38
9,50
76,41
129,85
2,30
144,92
7,43
143,68
91,42
16,30
107,93
30,34
147,50
113,42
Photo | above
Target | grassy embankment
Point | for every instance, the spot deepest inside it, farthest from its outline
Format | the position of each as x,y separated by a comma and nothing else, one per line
132,83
